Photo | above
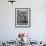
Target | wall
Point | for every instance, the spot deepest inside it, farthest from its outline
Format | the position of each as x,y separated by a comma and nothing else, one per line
8,31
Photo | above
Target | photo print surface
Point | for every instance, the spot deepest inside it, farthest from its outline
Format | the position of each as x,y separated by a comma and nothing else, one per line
22,17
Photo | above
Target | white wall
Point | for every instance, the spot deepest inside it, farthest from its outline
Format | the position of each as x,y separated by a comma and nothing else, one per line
8,31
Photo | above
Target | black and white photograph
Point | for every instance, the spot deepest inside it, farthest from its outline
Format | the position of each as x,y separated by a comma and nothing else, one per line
22,17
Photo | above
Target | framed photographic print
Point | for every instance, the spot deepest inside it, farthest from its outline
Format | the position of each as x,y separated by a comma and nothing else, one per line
22,17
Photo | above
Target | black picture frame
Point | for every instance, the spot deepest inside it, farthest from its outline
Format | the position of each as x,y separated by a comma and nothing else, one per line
22,17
